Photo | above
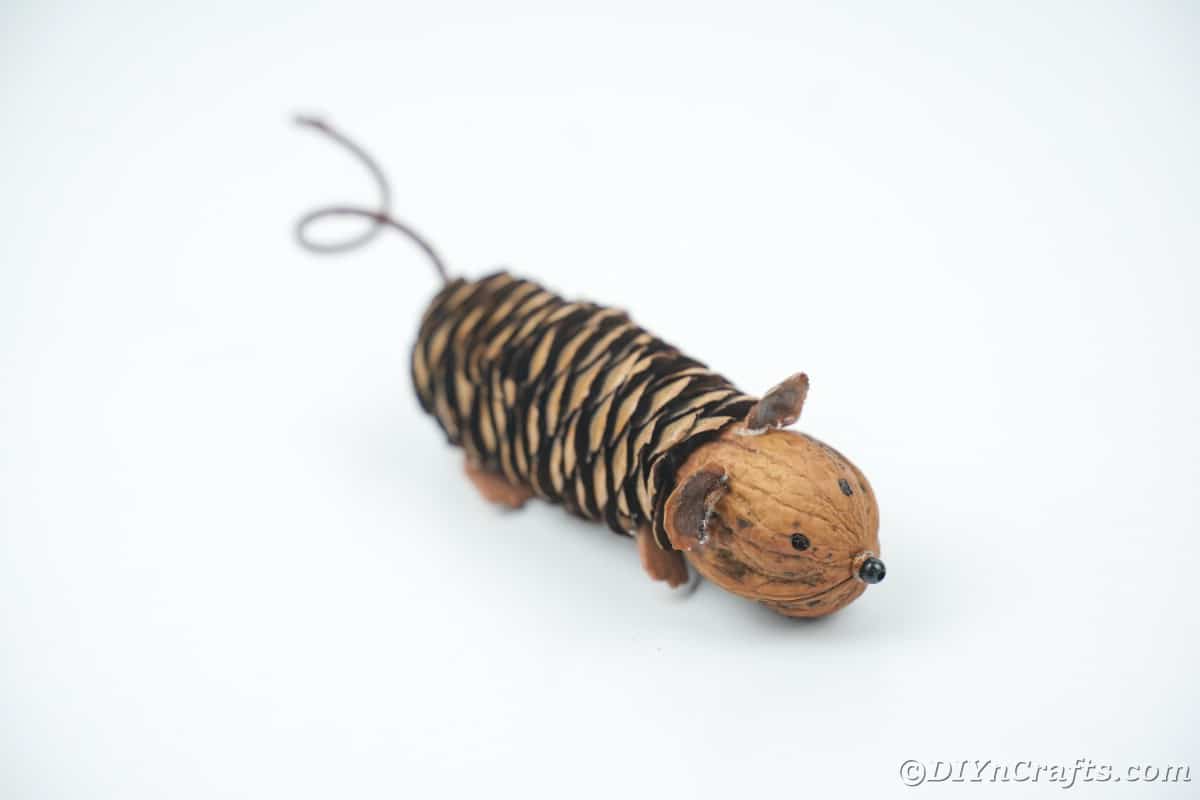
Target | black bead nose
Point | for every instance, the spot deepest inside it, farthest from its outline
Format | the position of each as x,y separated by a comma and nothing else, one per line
872,570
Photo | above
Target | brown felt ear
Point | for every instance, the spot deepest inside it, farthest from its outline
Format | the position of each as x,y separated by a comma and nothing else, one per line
690,505
780,407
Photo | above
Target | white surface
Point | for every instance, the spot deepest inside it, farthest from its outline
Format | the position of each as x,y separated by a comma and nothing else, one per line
236,560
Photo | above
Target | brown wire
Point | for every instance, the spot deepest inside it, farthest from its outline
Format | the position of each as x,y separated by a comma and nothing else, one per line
382,217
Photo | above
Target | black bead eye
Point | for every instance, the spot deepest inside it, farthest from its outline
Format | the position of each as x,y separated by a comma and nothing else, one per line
872,570
800,541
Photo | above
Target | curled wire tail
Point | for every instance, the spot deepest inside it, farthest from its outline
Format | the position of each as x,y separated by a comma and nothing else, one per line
380,218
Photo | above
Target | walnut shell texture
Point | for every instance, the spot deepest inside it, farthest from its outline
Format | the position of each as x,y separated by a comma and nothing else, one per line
791,520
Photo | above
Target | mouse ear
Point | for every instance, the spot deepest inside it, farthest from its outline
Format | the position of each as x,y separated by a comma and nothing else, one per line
691,504
779,408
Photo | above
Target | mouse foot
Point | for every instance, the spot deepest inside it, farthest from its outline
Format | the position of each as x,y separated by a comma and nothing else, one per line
495,488
661,565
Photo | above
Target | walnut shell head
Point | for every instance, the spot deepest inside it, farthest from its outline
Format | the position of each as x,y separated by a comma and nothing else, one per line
777,517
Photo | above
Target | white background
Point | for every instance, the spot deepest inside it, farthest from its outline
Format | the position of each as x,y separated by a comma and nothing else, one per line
236,560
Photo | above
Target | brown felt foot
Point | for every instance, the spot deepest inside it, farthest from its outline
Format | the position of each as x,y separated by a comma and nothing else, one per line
661,565
496,488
